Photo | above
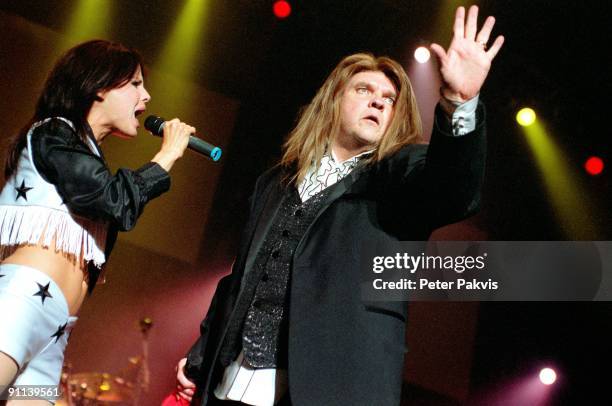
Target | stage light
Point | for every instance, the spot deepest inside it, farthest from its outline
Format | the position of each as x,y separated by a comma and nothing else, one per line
180,57
89,19
548,376
526,116
281,9
573,206
422,54
183,44
594,165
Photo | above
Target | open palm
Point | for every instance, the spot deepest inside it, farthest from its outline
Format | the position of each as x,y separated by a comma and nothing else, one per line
466,63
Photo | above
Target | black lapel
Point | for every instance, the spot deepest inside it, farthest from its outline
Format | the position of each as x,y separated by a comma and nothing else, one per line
92,138
273,202
265,220
336,191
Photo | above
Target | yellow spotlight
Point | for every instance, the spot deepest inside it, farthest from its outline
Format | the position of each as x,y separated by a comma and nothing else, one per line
184,43
571,202
90,19
526,117
179,60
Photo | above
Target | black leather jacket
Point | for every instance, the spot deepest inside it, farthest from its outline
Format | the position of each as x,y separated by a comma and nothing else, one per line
87,186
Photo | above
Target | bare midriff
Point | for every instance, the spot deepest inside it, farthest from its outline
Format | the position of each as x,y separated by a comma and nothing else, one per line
68,274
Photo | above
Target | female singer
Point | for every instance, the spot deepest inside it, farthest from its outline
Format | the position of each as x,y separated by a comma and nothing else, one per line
61,207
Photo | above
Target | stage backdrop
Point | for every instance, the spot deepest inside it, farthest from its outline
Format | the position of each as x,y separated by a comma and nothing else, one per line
156,270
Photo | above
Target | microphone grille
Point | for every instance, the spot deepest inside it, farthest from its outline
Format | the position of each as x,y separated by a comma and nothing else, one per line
155,125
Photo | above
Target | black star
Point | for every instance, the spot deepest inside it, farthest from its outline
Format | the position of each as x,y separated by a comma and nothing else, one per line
43,292
22,190
59,332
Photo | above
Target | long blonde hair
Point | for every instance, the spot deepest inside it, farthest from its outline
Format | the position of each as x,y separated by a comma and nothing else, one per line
320,120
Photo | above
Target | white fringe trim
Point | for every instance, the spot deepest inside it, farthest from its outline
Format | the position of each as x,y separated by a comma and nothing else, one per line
33,225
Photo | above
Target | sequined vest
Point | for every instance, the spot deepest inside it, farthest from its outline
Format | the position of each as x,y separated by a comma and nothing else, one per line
259,325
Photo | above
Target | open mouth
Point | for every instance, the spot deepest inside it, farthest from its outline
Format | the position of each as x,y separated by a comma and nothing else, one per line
138,112
372,119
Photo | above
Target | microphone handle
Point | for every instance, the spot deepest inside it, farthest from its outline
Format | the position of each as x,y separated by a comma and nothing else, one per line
204,148
155,125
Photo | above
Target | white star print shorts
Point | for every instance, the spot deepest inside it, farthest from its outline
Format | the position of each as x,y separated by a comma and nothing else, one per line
34,324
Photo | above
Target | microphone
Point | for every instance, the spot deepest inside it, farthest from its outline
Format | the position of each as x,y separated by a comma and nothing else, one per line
155,125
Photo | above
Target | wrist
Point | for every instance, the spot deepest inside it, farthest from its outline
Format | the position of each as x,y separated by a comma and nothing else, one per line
454,98
166,159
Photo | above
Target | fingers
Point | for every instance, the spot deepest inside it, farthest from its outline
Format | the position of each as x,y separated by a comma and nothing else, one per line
182,395
439,51
184,382
472,23
177,126
459,22
176,136
499,41
485,32
471,27
180,375
172,123
185,392
174,142
185,388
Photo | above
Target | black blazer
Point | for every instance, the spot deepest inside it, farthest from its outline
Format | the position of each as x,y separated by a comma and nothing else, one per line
343,350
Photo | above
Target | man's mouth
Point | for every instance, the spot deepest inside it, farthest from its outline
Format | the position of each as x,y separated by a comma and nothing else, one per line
372,119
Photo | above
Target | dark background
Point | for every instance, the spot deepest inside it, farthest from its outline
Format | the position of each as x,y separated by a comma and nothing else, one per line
555,59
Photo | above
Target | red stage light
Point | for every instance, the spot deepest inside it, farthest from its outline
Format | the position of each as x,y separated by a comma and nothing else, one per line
594,165
281,9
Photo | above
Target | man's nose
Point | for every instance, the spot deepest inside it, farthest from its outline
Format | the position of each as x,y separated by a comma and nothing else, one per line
377,103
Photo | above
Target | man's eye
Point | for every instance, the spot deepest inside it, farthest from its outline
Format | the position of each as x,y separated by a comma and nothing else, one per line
136,83
362,90
390,101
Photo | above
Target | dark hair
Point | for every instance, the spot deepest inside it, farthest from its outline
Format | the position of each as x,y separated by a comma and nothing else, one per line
72,86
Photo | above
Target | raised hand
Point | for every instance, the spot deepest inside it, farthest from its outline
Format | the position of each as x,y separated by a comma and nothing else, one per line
466,63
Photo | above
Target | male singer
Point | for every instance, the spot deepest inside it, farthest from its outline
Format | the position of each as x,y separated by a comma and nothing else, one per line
288,326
